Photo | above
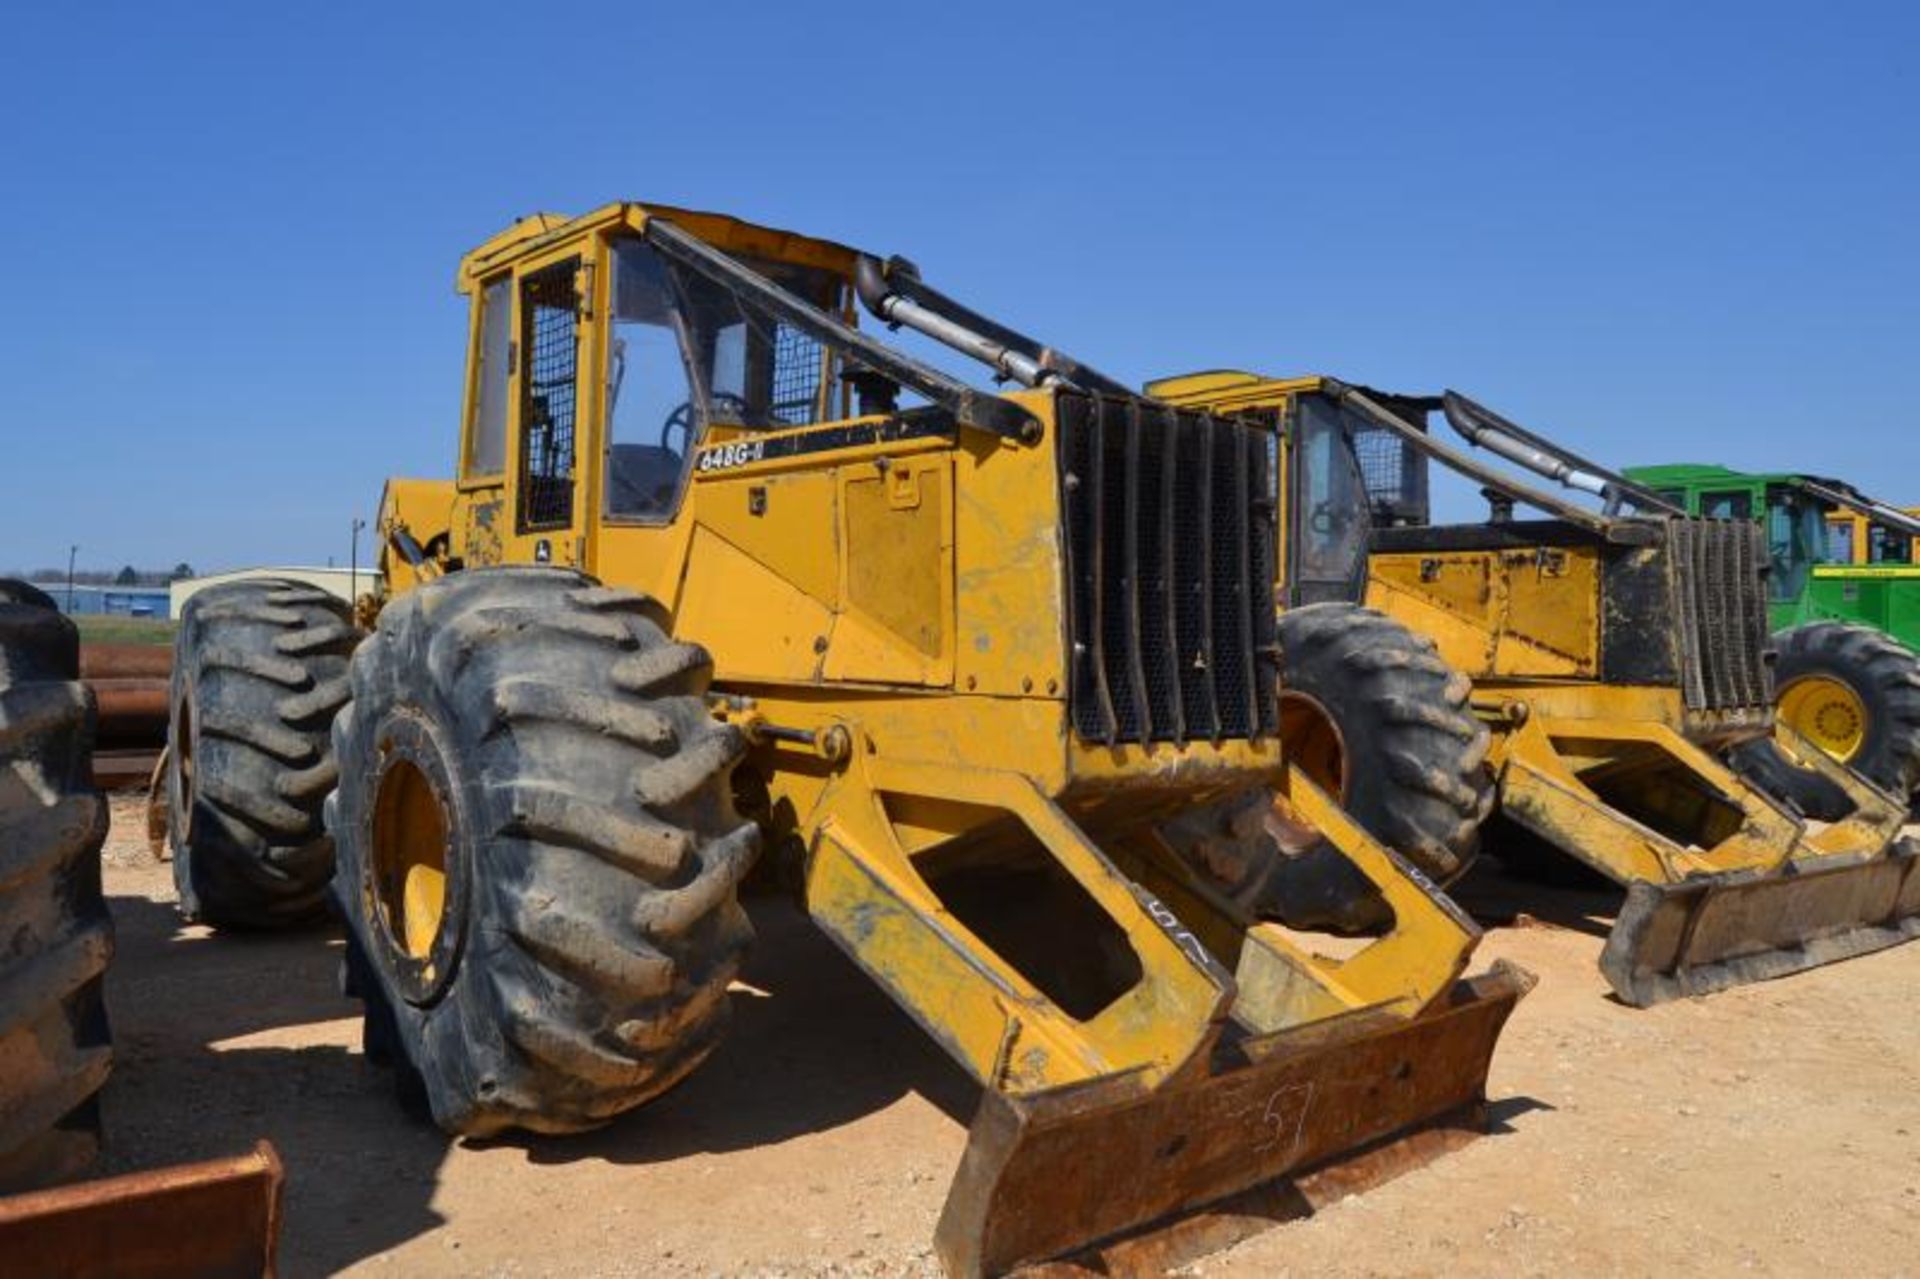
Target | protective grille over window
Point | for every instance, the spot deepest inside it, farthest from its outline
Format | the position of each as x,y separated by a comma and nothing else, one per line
759,371
797,360
550,346
1394,475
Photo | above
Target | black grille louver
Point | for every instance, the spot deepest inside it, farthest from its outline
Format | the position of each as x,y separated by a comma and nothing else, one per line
1720,604
1169,540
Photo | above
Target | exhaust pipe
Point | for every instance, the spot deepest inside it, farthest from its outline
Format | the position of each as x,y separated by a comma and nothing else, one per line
870,279
1473,428
1483,428
895,293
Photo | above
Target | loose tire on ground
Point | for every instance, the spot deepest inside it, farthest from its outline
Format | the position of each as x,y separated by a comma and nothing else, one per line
538,851
259,671
55,935
1883,678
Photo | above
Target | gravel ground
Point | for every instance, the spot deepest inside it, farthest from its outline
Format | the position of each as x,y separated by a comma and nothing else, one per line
1769,1130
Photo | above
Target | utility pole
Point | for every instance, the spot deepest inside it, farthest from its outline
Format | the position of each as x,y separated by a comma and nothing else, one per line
353,561
72,551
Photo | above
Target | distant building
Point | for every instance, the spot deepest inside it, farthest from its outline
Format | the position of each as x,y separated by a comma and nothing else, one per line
337,581
119,601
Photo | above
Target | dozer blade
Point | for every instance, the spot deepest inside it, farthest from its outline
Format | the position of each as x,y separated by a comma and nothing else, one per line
214,1220
1706,934
1111,1178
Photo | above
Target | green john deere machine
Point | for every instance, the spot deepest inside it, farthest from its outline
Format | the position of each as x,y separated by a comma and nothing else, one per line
1846,676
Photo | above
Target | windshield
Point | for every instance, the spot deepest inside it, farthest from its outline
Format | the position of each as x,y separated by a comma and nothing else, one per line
685,352
1796,540
746,368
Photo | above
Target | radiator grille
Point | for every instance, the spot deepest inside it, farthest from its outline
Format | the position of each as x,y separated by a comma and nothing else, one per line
1721,605
1169,541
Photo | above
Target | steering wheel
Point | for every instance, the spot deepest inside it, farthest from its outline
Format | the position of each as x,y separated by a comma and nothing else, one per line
680,422
1325,519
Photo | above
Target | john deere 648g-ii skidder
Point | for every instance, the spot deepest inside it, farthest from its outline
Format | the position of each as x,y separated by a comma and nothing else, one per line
1614,654
719,573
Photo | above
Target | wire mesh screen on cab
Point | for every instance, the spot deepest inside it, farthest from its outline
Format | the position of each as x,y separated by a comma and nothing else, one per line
549,339
1394,473
797,362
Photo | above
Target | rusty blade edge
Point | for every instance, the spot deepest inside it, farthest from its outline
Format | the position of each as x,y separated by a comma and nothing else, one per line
1052,1174
1702,936
1167,1245
208,1220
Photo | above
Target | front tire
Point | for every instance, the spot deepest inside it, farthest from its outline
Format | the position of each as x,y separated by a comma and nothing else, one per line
538,852
1852,692
55,1050
1371,712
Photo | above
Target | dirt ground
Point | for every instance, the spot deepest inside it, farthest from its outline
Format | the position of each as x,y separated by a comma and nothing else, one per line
1769,1130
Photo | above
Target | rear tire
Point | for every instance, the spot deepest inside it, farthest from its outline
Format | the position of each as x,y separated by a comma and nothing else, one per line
55,1050
1883,677
259,671
538,850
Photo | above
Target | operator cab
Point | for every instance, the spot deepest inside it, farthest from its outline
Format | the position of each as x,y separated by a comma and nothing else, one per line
675,342
684,359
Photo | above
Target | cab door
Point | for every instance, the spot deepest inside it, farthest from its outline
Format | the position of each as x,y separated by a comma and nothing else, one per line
550,374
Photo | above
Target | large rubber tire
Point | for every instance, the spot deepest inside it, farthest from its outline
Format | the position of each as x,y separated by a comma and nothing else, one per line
1414,758
55,934
1884,675
589,921
1371,712
259,671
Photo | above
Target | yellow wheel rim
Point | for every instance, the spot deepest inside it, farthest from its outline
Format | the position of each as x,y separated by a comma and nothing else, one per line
1313,742
1827,713
1313,745
410,858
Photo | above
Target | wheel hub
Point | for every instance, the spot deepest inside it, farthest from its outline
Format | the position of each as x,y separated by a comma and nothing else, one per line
410,890
1313,742
1827,713
1313,745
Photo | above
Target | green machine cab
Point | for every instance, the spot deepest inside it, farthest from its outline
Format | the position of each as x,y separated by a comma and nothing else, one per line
1847,677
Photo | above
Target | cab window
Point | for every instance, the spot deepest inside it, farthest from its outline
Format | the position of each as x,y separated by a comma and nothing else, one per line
487,432
684,354
650,400
1840,541
1327,499
1796,541
1885,546
1735,504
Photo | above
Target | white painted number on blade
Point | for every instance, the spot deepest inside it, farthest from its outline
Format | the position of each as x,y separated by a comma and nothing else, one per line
1284,1116
1178,931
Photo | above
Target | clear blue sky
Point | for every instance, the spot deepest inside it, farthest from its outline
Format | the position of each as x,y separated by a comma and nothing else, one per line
1664,232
